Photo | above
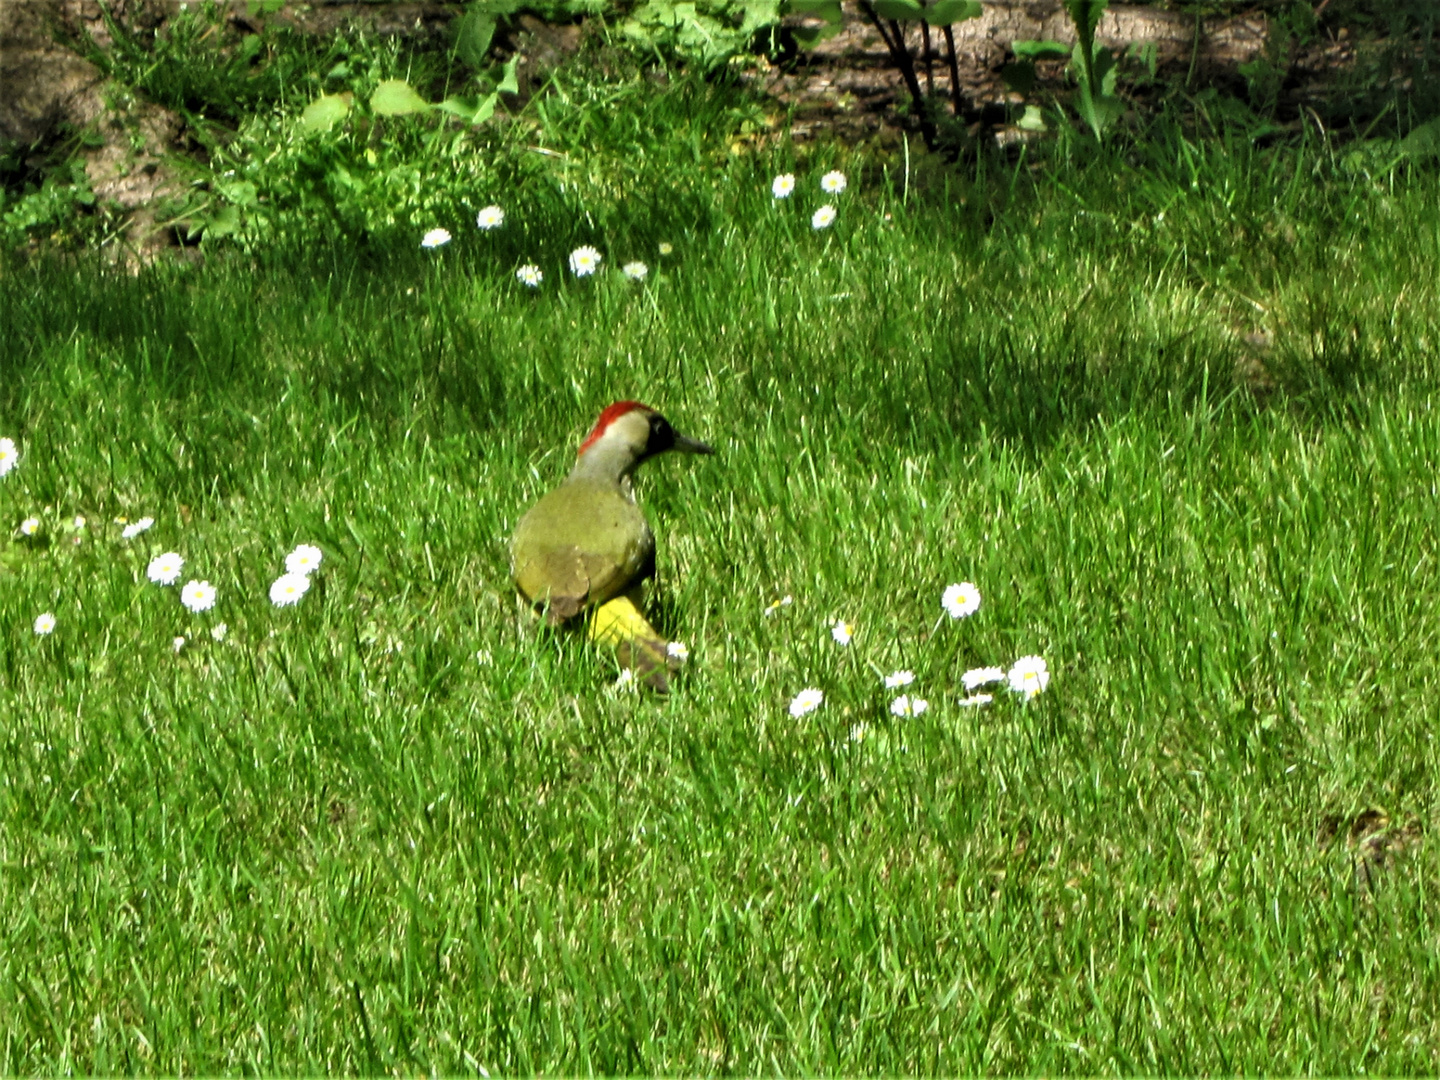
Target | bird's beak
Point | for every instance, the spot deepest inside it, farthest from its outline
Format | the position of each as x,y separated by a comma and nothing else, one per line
691,446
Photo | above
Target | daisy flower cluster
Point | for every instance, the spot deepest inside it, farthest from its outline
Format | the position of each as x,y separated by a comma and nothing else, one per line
168,569
165,569
196,596
288,589
832,183
1026,677
584,261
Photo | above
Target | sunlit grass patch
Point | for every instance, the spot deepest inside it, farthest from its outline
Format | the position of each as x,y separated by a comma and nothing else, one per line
383,823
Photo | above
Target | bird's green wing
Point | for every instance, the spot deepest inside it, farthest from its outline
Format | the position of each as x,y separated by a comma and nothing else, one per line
580,545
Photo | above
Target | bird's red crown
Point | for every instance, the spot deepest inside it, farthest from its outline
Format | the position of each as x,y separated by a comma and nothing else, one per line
608,417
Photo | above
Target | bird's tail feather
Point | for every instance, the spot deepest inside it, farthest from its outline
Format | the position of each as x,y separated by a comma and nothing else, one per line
639,646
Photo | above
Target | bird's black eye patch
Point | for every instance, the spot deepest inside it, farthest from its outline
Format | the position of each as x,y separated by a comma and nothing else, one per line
662,435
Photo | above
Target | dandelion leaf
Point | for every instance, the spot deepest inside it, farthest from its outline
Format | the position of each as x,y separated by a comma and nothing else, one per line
946,12
395,97
471,110
1422,142
325,112
829,10
899,9
509,80
1041,50
473,33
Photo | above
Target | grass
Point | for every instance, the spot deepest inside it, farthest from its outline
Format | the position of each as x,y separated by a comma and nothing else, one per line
393,829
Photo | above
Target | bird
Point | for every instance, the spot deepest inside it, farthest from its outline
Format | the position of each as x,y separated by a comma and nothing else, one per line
585,548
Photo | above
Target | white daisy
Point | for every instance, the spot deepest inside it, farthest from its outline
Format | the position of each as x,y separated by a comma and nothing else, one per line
860,732
218,631
897,679
806,701
492,217
178,644
79,523
635,271
1029,676
627,678
782,185
823,218
45,623
287,589
584,261
974,701
678,650
435,238
833,183
842,632
198,596
30,526
9,455
305,559
165,569
905,705
784,601
529,274
135,528
982,676
666,248
961,600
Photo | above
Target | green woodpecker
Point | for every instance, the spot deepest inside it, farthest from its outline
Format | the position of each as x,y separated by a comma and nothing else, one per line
586,546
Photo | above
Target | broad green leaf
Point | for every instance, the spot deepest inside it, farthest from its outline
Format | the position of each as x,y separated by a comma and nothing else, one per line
1085,14
829,10
1105,71
1019,76
1102,74
509,84
756,17
464,108
394,97
325,112
1423,141
471,110
705,32
1041,50
224,223
1109,108
486,109
946,12
899,9
810,36
473,33
1033,120
239,192
1098,111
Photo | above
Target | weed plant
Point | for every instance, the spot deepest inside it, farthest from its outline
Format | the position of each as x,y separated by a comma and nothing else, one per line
1172,412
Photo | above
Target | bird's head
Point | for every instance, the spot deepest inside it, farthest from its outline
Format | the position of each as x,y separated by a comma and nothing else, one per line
629,433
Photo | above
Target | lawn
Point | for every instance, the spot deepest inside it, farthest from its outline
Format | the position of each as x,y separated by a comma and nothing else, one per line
1171,408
